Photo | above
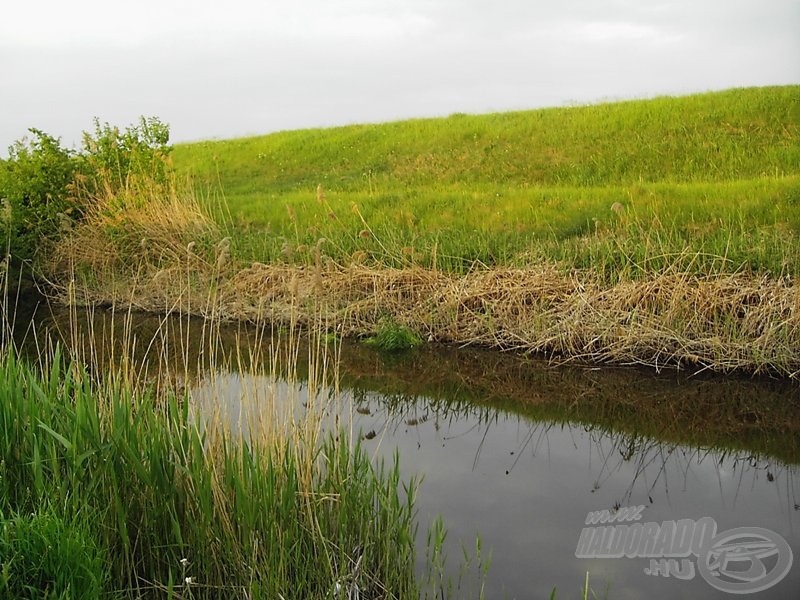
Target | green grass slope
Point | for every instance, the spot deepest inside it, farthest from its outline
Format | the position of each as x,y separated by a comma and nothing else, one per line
704,182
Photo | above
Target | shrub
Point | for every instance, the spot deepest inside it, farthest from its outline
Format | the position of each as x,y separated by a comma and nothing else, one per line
35,187
113,161
45,187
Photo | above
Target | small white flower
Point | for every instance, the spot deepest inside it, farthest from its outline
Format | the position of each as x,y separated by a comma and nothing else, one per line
189,580
184,562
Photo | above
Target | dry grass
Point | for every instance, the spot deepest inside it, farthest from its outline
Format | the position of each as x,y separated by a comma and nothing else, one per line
149,240
154,224
724,322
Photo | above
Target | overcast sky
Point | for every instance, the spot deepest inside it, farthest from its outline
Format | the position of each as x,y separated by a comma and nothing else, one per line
224,69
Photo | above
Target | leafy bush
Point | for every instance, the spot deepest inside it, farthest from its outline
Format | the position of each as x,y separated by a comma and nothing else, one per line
35,187
46,187
114,160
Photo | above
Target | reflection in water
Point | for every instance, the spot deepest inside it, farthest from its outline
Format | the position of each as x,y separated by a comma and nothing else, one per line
510,448
526,486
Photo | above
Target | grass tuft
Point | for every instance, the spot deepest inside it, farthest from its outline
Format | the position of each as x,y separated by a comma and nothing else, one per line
45,557
391,337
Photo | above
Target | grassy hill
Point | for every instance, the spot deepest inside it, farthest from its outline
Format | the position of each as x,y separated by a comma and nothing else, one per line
704,182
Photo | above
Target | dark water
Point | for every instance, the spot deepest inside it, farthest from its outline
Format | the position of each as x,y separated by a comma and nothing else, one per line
517,452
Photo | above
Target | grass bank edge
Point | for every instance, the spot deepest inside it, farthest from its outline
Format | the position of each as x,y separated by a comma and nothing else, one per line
160,251
725,322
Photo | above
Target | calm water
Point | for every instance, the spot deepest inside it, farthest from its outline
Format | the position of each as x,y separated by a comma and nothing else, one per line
525,486
517,452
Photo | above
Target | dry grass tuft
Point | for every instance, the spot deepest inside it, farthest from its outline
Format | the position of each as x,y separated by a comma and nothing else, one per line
149,246
154,223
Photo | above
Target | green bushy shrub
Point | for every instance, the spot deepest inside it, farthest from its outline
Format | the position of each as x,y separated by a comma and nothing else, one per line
45,187
35,186
112,158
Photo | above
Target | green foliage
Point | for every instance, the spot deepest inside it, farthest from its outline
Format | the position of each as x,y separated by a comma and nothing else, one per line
112,160
392,337
35,185
46,187
44,557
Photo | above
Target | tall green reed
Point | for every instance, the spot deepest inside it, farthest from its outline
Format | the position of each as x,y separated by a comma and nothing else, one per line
261,519
178,502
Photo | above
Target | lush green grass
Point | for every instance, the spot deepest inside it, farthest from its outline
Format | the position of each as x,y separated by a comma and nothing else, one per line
45,556
708,176
104,490
391,337
720,136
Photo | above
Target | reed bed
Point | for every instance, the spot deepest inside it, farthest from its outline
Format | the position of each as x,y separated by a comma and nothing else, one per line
106,491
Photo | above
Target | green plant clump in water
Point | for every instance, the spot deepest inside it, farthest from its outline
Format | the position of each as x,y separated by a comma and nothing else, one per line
393,337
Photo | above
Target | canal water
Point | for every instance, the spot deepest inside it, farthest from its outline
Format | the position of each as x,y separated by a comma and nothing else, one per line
667,485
